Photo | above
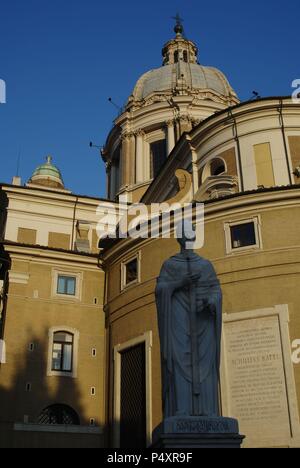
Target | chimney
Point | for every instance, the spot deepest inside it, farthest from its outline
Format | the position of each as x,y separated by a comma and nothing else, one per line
17,181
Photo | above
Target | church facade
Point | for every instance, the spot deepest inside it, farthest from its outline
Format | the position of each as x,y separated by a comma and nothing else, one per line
185,137
79,344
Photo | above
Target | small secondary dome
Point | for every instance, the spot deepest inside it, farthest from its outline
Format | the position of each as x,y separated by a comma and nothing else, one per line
47,175
181,74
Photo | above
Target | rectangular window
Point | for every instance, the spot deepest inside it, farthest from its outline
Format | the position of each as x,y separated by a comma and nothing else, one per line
66,285
131,271
243,235
158,156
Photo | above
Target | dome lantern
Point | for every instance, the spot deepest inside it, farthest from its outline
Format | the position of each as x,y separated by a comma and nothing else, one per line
179,48
181,74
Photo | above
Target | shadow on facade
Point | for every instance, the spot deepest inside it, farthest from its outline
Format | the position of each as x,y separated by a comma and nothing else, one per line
29,392
3,213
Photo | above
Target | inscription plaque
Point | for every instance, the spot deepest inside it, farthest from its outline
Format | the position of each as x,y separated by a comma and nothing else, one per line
199,425
255,378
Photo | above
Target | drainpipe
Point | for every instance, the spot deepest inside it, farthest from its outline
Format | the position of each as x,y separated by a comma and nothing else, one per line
237,139
108,363
4,298
74,224
282,126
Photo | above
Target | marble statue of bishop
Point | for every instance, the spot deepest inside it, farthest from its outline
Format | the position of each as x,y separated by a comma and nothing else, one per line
189,306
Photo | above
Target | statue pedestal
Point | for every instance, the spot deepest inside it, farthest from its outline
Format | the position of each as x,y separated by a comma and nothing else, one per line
197,432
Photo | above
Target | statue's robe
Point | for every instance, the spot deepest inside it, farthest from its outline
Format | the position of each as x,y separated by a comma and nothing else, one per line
174,313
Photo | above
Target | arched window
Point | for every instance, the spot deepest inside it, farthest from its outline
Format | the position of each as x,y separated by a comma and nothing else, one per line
176,56
59,414
213,168
217,167
185,56
158,156
62,352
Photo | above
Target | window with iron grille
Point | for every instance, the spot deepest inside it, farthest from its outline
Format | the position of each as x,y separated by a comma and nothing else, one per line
158,156
59,414
62,353
133,398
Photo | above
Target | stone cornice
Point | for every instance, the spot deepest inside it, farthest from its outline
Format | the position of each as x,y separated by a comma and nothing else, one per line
43,254
41,195
248,110
240,203
198,95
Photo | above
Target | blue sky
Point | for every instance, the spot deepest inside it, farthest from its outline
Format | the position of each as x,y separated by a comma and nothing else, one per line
63,59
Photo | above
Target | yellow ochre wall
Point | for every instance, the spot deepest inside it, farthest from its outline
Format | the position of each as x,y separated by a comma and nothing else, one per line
264,166
254,279
31,312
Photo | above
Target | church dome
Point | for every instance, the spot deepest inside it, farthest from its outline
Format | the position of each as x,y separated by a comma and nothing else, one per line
195,77
47,175
181,74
